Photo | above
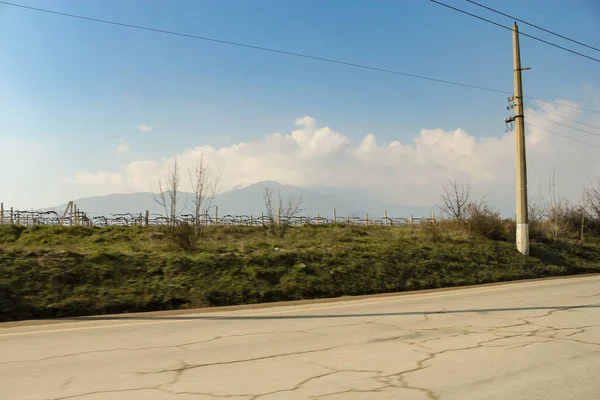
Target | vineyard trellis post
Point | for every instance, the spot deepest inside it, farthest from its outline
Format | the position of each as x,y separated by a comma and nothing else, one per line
80,218
62,218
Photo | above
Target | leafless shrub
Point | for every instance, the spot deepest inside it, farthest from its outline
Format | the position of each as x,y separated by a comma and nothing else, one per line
591,196
455,199
204,187
167,193
280,213
536,211
557,212
485,221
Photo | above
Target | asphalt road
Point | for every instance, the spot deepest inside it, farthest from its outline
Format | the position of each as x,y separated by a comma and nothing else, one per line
532,340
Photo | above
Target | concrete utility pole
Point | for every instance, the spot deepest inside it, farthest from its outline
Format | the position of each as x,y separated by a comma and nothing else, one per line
522,212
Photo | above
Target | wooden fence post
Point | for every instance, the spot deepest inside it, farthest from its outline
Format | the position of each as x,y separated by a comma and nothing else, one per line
251,220
12,220
216,215
385,217
262,219
1,213
412,220
334,216
318,219
147,219
366,219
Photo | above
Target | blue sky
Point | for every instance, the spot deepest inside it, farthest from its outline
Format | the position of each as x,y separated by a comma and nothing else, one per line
70,89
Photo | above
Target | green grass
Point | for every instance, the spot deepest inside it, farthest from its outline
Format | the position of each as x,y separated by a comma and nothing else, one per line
50,272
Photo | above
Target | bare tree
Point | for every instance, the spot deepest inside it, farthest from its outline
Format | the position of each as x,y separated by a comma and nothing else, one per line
167,195
557,211
204,187
591,197
281,214
536,211
455,199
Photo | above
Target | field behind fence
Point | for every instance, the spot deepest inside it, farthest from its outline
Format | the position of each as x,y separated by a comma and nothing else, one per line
72,216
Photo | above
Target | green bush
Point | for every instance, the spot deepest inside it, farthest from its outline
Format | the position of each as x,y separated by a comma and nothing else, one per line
11,233
432,231
182,235
485,221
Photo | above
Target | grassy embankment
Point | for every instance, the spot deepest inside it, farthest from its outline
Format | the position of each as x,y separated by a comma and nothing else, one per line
50,272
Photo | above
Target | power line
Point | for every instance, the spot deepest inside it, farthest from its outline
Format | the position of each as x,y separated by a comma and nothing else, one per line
267,49
521,33
283,52
562,104
564,125
534,26
540,109
561,135
530,161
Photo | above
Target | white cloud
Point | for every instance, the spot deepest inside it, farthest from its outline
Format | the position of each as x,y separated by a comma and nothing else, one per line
397,172
144,128
122,147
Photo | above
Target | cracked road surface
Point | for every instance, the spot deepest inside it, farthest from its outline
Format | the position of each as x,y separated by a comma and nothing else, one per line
530,340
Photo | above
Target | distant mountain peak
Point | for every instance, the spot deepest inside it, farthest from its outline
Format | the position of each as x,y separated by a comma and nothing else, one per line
237,187
247,199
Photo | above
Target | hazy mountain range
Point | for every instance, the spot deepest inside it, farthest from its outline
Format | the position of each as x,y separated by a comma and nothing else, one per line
248,200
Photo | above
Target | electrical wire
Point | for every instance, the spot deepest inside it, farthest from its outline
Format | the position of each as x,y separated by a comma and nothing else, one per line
289,53
267,49
521,33
533,25
564,125
530,162
561,135
540,109
562,104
